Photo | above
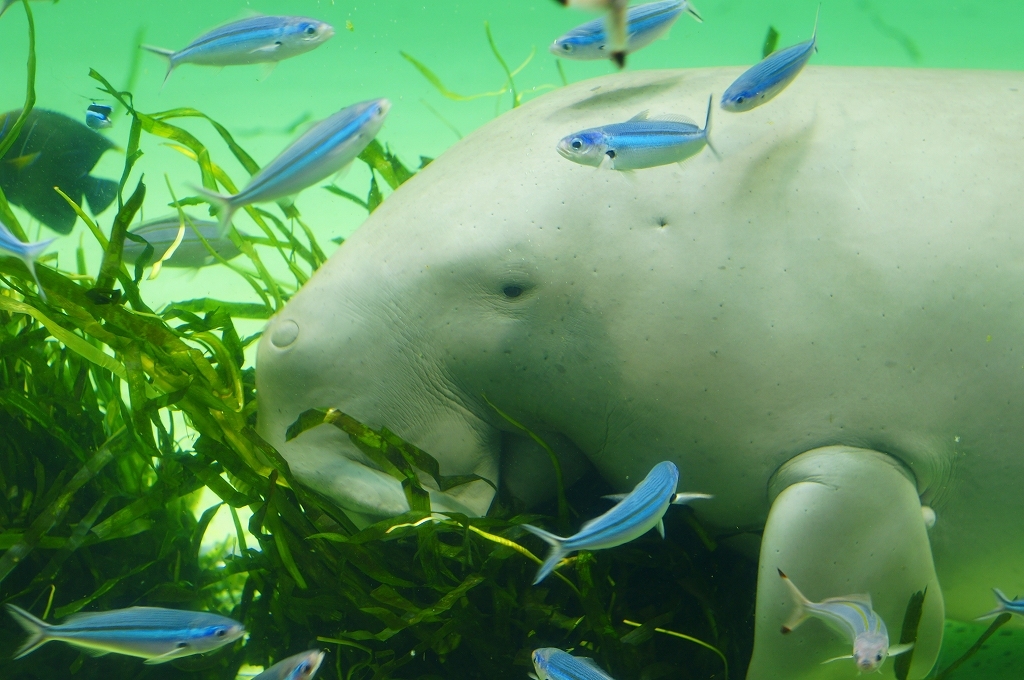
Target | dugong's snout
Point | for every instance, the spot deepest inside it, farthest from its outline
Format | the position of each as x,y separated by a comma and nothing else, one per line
314,355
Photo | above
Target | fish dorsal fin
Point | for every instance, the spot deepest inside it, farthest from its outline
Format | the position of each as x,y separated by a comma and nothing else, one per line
675,118
643,115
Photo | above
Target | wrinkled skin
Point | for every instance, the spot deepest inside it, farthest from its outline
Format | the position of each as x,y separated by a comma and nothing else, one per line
823,330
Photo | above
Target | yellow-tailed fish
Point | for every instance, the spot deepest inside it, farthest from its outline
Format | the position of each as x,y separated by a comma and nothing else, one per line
152,633
852,616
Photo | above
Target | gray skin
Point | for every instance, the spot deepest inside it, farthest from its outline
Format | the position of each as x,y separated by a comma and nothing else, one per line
825,330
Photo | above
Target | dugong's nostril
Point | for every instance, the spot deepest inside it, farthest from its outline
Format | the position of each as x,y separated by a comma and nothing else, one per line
284,333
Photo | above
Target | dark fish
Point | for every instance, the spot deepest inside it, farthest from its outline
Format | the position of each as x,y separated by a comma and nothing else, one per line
97,116
161,234
54,150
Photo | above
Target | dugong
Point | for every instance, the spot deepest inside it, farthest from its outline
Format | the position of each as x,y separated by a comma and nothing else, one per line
824,329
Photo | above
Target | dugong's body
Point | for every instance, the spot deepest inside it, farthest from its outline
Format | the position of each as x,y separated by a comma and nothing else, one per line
824,329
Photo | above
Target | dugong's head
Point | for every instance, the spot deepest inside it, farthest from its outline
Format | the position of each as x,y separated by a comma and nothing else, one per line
492,277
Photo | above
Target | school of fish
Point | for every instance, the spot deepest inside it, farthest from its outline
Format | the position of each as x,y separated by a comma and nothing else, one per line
32,166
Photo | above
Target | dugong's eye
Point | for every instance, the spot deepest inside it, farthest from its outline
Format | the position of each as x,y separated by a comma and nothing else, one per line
512,291
577,143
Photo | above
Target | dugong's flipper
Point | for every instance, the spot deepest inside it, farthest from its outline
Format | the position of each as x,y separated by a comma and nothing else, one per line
843,520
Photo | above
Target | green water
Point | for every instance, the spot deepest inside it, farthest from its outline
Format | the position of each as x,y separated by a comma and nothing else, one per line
449,37
76,35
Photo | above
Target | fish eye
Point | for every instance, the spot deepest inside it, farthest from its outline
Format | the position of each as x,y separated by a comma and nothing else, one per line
577,143
740,99
567,47
181,645
221,632
310,30
878,657
512,291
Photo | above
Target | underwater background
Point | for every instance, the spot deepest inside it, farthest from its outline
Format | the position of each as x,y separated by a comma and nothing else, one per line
420,602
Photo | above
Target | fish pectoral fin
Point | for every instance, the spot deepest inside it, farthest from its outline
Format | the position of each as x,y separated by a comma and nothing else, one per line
95,652
859,512
661,528
266,68
896,650
169,656
269,49
617,497
338,176
837,658
22,162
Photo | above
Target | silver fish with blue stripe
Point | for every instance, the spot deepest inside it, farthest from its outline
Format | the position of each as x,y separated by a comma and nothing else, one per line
26,252
853,616
615,24
322,151
551,663
770,76
300,666
636,513
640,142
256,40
644,24
161,233
1005,604
155,634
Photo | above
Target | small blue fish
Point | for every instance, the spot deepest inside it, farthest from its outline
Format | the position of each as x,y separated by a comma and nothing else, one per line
298,667
615,24
853,617
26,252
190,253
640,142
256,40
554,664
634,515
644,24
770,76
322,151
153,633
97,116
1004,604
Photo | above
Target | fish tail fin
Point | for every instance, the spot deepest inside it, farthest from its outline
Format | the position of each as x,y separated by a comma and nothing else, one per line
692,11
684,498
166,54
555,555
1001,605
799,614
224,203
707,128
37,629
32,253
7,3
814,33
99,193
